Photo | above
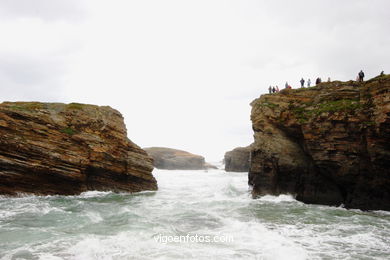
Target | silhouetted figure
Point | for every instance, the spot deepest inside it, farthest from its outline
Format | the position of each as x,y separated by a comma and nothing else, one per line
361,76
302,82
273,90
328,79
318,80
382,73
270,89
308,83
286,85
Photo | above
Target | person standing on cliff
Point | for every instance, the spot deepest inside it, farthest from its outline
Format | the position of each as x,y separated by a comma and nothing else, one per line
318,80
302,83
361,76
270,89
308,83
286,85
273,90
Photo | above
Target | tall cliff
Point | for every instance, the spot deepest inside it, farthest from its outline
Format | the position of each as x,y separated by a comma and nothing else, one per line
52,148
328,144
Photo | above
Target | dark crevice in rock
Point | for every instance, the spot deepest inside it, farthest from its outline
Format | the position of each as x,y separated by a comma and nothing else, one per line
327,145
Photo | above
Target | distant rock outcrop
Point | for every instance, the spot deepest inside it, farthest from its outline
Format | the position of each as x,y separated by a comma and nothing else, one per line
237,160
53,148
172,159
328,144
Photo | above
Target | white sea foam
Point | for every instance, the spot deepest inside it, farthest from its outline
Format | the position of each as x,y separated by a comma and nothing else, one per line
382,212
278,199
105,225
93,194
94,216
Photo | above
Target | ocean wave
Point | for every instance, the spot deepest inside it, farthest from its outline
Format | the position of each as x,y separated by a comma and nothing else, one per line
278,199
93,194
107,225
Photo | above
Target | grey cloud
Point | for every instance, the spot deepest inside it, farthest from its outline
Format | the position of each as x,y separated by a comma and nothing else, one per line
327,14
69,10
335,36
31,78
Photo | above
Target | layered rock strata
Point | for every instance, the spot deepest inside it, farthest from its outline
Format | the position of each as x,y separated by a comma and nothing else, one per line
328,144
53,148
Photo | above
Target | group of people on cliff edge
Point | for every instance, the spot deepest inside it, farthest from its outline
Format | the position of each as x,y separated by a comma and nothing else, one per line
318,81
273,89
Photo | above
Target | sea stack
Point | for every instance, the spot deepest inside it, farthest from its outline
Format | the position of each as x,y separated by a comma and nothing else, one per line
173,159
53,148
328,144
237,160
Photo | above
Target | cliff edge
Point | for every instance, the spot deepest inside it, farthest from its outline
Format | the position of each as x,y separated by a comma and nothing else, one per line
328,144
53,148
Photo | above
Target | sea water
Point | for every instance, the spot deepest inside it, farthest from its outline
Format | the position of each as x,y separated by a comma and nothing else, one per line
169,224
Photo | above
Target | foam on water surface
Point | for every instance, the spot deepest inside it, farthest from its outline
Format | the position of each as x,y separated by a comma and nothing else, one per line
106,225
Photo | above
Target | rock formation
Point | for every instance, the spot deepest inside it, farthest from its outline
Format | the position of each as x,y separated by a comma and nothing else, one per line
172,159
328,144
52,148
237,160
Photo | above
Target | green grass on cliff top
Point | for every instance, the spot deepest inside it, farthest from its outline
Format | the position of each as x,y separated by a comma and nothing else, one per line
34,106
305,111
337,83
24,106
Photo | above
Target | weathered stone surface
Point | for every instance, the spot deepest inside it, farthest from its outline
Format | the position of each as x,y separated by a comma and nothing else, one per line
52,148
172,159
237,160
328,144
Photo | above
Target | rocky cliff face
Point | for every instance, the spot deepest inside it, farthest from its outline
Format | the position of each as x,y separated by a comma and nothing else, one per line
237,160
328,144
50,148
172,159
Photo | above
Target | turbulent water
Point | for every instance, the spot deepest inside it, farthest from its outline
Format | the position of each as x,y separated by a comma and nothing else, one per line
194,206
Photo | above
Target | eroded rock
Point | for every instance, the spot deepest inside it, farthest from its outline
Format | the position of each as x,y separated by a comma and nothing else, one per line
53,148
173,159
237,160
328,144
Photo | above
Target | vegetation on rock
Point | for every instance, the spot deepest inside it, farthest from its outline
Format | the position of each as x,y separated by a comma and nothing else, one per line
326,144
38,156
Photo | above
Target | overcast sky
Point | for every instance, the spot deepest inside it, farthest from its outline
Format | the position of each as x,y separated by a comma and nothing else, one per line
184,72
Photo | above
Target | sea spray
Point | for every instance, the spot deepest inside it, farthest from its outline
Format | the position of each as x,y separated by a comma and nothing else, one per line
107,225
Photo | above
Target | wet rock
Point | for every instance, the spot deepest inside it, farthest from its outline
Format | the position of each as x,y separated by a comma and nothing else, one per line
327,144
53,148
